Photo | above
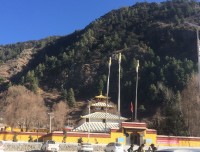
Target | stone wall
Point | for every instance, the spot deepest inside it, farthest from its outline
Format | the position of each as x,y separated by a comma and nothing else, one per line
35,147
15,146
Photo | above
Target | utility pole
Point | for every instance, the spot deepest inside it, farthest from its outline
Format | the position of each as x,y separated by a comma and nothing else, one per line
51,115
37,130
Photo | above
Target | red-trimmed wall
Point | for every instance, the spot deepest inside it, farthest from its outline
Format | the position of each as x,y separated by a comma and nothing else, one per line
178,141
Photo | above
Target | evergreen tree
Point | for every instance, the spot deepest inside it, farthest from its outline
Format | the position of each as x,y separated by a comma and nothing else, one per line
101,86
70,98
40,70
31,81
64,136
64,94
8,85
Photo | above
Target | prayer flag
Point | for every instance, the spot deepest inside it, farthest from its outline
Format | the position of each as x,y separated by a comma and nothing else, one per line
131,107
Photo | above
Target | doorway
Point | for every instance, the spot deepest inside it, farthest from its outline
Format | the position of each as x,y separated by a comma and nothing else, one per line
135,138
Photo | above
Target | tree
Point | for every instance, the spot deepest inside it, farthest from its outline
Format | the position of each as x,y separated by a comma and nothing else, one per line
60,112
23,108
8,85
101,85
31,81
190,106
64,135
174,121
64,94
30,139
40,70
70,98
171,119
142,108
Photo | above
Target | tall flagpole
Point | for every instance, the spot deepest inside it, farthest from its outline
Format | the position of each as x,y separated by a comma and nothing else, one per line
119,84
137,67
198,50
109,64
198,53
89,124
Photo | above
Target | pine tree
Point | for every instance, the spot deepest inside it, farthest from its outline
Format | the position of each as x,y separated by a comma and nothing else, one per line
64,94
64,136
31,81
101,86
70,98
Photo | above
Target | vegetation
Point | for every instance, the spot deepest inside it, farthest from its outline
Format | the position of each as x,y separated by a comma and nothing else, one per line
70,98
64,136
153,33
15,137
60,112
190,106
30,139
24,108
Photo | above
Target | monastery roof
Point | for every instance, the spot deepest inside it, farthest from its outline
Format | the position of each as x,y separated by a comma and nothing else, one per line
96,126
102,104
103,115
101,97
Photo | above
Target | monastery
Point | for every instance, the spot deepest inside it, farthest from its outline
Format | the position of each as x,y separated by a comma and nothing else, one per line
101,126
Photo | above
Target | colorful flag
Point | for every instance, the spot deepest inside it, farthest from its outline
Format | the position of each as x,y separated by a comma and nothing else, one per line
131,107
137,66
109,63
120,57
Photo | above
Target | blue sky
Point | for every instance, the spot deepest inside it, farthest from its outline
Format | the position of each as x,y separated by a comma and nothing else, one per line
23,20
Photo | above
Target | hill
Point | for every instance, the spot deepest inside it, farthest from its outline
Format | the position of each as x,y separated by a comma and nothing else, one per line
153,33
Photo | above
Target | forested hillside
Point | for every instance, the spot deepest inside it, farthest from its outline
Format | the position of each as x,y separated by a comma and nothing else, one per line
156,34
